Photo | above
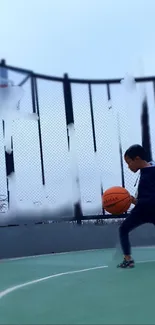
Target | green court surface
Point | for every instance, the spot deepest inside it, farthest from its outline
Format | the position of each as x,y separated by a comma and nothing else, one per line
78,288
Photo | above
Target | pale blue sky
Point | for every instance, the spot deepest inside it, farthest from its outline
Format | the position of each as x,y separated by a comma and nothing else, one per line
96,39
87,39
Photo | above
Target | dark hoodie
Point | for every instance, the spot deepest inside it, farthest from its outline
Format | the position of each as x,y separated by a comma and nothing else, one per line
146,188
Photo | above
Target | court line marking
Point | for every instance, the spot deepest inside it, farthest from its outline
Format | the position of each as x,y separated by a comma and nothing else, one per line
26,284
70,252
50,254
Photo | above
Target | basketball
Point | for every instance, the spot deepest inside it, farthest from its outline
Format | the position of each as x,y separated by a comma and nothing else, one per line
116,200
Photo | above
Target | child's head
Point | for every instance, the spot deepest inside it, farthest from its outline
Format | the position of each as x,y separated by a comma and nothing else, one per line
135,157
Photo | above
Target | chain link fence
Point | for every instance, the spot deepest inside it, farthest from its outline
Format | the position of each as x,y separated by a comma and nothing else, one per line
65,159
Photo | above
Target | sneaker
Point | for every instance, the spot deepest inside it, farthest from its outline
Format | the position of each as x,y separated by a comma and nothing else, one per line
126,264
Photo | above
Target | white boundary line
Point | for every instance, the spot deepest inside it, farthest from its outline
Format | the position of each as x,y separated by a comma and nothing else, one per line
25,284
70,252
50,254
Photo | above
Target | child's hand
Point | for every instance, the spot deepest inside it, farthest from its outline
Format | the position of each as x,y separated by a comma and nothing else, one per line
133,200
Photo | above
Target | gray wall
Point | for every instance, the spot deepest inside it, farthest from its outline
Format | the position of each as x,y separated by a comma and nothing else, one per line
64,237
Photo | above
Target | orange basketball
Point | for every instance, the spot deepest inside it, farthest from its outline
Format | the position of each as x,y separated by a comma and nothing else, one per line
116,200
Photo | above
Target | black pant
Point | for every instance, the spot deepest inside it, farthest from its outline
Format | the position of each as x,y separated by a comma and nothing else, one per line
137,218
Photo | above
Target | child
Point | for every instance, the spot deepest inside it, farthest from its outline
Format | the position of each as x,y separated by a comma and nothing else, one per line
144,210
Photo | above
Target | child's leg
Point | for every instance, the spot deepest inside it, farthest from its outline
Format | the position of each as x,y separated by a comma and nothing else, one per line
130,223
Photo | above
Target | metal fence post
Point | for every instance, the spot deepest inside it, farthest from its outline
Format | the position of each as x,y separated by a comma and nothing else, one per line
9,157
94,135
119,138
35,108
69,122
146,139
